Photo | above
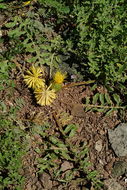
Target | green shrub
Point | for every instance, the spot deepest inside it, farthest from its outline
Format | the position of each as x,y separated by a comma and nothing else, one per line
85,38
5,67
33,38
57,7
102,39
2,4
97,33
11,153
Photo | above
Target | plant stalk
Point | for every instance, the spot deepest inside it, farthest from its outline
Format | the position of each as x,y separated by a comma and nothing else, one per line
78,83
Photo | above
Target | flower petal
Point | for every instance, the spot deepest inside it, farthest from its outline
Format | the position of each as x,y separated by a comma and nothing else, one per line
44,96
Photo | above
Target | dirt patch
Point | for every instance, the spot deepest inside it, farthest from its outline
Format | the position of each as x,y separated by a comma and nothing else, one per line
92,129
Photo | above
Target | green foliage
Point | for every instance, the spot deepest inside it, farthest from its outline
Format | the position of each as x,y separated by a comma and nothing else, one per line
39,41
2,4
58,6
103,101
86,38
94,39
11,152
34,35
101,28
12,138
70,130
5,67
56,150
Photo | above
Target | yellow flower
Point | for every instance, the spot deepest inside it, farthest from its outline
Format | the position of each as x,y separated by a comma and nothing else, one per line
45,96
32,78
59,77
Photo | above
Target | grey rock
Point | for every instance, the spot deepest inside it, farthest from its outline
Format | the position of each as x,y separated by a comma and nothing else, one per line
119,168
111,184
118,139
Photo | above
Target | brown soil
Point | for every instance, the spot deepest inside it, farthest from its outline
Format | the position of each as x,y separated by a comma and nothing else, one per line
92,129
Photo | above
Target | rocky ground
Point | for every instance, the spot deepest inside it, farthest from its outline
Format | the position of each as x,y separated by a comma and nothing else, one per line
105,136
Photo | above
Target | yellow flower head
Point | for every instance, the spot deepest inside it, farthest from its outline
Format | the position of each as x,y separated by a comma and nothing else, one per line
32,78
45,96
59,77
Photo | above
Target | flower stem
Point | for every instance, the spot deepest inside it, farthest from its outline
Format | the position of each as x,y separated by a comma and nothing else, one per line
78,83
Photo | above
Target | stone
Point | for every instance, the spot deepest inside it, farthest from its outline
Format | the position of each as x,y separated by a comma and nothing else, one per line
98,145
112,184
28,186
46,180
66,166
78,110
118,139
119,169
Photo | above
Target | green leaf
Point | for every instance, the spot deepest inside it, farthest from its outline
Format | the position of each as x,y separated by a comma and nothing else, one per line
65,155
57,87
87,100
95,98
93,87
92,174
10,24
83,153
16,33
61,145
109,112
29,48
122,68
32,59
3,6
69,128
101,97
100,109
88,108
117,98
73,131
38,150
3,106
108,99
54,140
56,151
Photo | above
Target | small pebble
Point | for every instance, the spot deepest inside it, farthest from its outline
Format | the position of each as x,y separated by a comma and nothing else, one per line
98,145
